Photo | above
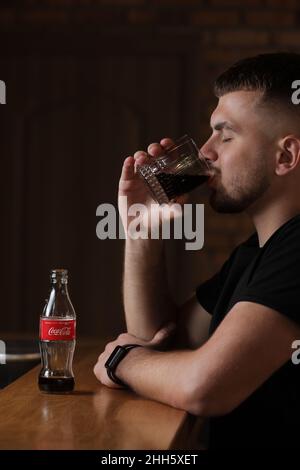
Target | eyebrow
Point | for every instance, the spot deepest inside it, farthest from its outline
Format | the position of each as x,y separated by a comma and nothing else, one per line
219,126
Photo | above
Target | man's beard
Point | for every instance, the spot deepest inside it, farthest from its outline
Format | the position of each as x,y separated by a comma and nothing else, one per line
243,194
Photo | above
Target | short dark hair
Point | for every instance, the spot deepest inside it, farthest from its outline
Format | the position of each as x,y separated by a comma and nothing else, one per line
271,73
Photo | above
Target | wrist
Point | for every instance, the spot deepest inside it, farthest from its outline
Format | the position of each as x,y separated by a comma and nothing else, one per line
127,368
113,361
150,251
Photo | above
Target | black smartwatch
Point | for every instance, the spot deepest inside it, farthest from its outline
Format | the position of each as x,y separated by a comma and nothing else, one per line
115,358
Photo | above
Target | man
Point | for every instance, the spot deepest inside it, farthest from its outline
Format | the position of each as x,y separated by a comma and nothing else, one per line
242,377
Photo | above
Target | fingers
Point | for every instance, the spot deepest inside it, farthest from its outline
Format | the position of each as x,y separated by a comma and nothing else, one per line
154,150
128,169
163,333
140,157
96,371
166,142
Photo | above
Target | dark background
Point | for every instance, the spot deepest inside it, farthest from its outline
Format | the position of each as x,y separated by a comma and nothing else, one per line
88,83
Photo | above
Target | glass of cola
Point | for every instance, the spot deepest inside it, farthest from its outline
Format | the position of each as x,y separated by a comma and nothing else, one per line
181,169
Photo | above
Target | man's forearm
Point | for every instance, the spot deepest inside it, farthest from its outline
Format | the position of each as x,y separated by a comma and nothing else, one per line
147,302
160,376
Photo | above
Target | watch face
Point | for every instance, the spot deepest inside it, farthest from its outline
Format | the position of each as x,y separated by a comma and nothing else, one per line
118,353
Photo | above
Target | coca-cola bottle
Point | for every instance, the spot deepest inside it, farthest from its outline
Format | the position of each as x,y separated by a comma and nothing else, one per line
57,337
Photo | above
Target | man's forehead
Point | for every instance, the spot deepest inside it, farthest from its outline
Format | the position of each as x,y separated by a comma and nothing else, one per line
234,106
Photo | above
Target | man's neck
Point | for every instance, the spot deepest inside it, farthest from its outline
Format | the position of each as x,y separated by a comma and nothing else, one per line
268,220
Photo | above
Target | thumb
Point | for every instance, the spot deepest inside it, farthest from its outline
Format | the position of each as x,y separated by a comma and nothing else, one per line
127,169
163,333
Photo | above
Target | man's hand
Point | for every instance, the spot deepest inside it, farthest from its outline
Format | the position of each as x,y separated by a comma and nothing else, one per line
136,190
159,341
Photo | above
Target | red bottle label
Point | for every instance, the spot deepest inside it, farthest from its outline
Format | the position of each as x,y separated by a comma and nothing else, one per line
57,330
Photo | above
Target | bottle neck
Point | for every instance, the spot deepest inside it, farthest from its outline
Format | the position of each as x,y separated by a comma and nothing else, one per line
59,303
59,286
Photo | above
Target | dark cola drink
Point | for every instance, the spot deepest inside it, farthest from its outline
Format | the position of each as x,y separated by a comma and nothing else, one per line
176,185
56,385
57,337
181,169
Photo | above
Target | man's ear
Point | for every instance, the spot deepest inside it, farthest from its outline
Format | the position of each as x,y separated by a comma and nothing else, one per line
288,156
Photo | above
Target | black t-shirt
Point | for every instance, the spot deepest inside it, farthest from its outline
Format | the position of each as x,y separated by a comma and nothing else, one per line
270,276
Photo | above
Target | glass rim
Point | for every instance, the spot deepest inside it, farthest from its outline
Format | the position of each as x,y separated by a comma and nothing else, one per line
181,141
187,139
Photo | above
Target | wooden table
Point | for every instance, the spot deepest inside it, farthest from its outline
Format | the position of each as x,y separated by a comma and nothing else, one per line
92,417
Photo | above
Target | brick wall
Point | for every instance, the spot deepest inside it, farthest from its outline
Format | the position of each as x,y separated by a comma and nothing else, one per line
227,29
267,23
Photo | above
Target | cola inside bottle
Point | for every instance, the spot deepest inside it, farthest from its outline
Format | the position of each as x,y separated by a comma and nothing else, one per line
57,337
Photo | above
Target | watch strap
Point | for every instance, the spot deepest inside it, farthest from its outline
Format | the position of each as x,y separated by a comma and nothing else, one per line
115,358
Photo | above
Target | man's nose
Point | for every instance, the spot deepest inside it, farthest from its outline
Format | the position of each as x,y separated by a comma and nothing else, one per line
208,152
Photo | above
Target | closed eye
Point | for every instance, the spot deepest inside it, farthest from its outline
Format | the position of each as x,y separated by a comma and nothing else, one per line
227,140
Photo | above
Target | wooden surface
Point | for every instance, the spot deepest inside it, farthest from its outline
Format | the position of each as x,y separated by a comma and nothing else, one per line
92,417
